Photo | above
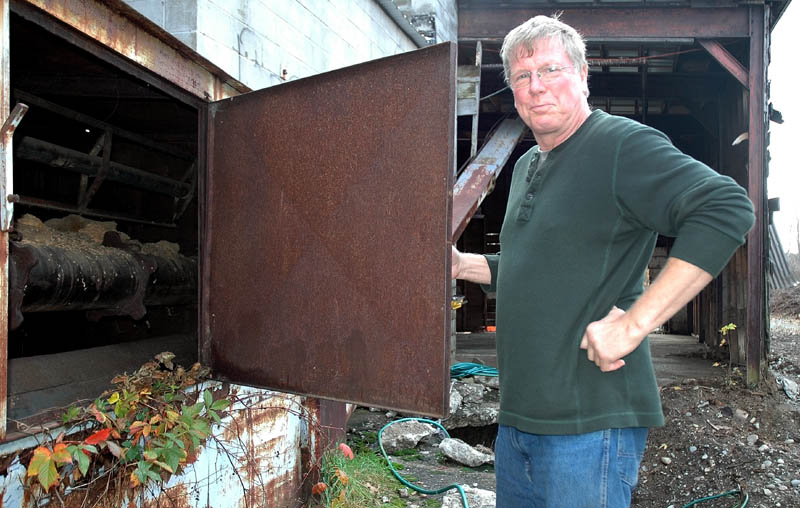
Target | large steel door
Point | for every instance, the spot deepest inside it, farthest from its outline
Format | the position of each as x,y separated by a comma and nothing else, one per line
327,234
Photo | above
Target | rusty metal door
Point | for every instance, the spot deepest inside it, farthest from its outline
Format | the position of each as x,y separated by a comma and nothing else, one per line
326,234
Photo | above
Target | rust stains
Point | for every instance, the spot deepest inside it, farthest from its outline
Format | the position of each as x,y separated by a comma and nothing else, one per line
122,29
178,496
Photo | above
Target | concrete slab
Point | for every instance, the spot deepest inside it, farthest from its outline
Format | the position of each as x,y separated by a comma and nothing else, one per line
675,357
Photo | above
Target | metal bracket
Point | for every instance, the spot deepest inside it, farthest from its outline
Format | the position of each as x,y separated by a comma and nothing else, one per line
7,164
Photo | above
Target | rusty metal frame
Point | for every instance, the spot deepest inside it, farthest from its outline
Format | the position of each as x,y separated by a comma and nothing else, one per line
142,43
326,239
5,171
611,23
477,180
9,125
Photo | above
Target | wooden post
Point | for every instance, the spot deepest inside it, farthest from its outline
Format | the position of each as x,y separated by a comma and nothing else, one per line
756,245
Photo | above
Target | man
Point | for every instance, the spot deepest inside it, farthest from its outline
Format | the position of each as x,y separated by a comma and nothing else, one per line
586,205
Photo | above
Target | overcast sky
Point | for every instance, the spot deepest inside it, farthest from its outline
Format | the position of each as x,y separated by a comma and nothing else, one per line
784,147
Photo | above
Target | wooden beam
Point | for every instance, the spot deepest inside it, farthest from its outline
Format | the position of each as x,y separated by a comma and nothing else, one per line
756,245
726,60
612,23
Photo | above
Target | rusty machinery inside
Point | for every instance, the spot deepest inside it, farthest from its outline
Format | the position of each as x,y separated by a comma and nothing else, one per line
673,85
103,253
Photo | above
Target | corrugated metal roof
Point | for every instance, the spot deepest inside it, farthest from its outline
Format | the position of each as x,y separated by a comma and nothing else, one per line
780,275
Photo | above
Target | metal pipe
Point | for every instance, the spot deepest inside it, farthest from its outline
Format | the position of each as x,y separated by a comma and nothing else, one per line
101,278
402,22
61,157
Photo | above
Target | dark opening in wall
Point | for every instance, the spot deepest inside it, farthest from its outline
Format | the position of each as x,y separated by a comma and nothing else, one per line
104,246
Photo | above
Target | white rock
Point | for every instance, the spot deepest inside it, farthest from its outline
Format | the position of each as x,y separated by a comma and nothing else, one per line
470,407
476,498
767,492
461,452
751,439
795,483
740,414
790,388
405,434
666,460
763,448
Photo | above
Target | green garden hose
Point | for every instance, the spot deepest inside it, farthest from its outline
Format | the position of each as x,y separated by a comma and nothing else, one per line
403,480
729,493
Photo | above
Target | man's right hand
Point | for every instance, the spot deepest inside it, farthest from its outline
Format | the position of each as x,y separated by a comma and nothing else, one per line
455,263
471,267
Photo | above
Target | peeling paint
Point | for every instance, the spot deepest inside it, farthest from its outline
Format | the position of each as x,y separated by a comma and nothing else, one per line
260,455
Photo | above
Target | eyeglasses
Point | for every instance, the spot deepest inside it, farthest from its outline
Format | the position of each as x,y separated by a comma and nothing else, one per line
546,75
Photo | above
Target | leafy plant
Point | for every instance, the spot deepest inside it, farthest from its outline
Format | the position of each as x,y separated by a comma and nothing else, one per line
145,429
724,332
349,480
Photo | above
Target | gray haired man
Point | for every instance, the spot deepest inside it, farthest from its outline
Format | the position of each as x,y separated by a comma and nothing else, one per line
585,207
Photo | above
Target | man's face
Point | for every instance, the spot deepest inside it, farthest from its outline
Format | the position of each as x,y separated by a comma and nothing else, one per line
556,108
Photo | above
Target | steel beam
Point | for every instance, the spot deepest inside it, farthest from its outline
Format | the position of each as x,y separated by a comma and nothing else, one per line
611,23
756,243
56,156
141,43
477,179
727,61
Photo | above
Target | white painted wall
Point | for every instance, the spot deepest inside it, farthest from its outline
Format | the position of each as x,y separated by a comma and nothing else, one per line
266,42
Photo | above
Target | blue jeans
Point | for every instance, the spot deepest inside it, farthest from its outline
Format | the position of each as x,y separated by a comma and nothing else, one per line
595,470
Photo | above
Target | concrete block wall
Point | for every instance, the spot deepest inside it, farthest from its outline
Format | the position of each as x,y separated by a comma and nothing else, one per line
266,42
444,12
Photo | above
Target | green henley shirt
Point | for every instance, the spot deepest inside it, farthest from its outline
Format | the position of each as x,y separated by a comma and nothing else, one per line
579,230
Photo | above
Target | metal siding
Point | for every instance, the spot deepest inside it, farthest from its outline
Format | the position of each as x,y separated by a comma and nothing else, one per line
326,250
259,456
